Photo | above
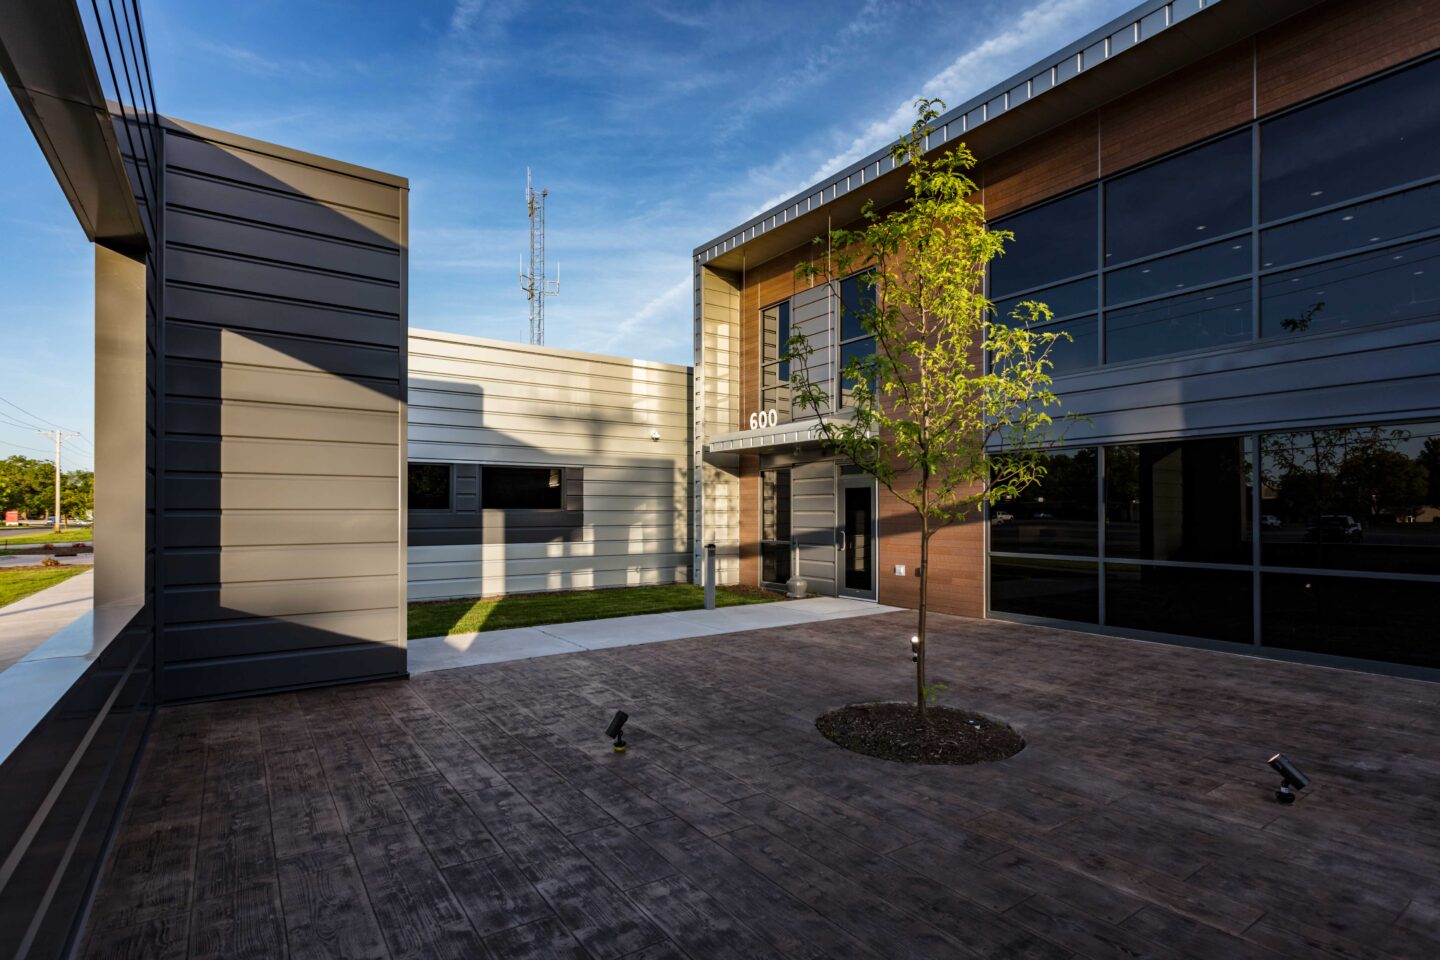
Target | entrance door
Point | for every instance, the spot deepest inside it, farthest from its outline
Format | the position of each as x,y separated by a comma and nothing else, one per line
857,540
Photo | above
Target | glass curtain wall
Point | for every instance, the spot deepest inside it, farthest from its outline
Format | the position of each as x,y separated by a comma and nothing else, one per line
1325,541
1279,229
774,369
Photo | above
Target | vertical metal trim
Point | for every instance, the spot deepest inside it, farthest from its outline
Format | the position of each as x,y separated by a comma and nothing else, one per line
1254,232
1101,339
1255,503
403,429
1100,535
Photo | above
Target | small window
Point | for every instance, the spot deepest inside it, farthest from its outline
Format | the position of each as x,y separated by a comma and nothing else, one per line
775,526
857,304
429,486
522,488
775,371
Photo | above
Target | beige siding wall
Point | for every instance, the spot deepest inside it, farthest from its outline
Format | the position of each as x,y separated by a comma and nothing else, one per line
491,402
717,483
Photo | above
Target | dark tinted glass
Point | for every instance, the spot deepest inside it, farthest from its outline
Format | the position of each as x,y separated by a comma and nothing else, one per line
1357,498
429,486
1195,321
1055,589
1191,602
521,488
1064,300
1228,258
857,301
774,562
1400,283
1179,500
1057,515
1185,199
1081,351
1352,228
854,350
1391,620
1373,137
1052,242
775,336
775,505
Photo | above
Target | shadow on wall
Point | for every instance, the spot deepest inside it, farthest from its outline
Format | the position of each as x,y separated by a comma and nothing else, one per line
634,528
284,357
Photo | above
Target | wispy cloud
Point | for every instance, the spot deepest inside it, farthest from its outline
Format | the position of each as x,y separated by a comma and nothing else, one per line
1035,32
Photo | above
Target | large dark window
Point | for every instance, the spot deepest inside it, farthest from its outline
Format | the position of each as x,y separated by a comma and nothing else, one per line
1202,320
1198,602
1391,620
1398,283
522,488
1064,300
1052,242
1055,589
774,370
429,486
774,526
1179,271
1183,199
1356,498
857,306
1381,135
1056,515
1384,220
1179,500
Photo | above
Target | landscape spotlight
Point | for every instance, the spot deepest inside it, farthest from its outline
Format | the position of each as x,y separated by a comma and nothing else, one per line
1291,778
914,649
614,731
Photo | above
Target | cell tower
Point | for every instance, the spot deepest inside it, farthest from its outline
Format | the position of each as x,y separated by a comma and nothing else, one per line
533,281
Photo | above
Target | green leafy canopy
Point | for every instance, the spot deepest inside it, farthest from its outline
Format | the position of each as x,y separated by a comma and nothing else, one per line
926,416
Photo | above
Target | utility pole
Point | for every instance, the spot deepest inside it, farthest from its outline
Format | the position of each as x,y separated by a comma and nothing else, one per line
59,436
533,281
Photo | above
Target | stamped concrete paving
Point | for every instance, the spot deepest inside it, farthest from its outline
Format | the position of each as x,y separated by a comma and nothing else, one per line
479,812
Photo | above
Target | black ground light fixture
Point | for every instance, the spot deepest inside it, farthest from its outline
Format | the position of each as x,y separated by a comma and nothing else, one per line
914,649
614,731
1291,778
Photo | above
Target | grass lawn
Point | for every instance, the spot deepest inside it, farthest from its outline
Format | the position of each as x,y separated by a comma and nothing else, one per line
442,617
73,535
16,583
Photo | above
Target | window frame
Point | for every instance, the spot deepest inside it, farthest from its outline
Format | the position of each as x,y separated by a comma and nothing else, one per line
487,469
781,365
841,341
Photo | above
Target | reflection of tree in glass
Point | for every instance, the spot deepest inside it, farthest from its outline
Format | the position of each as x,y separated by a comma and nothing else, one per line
1429,458
1302,323
1351,469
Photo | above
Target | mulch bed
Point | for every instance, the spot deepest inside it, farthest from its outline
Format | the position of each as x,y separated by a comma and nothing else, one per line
893,731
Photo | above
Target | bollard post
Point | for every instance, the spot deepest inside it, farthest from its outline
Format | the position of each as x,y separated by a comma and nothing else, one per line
709,576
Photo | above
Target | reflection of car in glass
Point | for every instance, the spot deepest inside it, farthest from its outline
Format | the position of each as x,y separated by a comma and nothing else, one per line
1000,516
1270,520
1334,528
1042,515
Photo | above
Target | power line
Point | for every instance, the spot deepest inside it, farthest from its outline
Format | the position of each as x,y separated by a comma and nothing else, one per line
34,416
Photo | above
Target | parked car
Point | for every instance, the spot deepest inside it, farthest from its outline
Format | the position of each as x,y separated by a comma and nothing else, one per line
1000,516
1270,521
1334,528
1042,515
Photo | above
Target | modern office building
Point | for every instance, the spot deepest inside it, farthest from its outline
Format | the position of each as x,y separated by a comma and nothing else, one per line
1234,209
535,469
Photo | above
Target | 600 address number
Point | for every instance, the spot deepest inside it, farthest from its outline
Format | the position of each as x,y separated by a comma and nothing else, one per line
764,418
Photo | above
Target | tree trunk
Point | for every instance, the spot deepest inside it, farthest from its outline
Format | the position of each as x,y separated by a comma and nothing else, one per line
924,602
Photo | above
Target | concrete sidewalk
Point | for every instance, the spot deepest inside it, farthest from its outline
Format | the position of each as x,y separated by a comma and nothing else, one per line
29,622
498,646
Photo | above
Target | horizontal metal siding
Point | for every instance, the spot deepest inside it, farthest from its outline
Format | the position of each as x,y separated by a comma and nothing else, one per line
495,403
812,524
280,555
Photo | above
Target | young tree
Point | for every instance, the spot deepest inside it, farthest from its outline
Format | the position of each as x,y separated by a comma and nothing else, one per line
924,414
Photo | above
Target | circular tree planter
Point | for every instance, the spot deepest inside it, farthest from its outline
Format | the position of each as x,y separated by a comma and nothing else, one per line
893,731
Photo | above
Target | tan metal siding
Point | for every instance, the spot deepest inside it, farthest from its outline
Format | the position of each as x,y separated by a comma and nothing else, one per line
480,401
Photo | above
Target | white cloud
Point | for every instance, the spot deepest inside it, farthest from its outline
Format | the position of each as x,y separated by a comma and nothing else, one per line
1037,31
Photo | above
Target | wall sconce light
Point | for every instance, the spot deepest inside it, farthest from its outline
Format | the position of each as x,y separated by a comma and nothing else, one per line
654,434
614,731
1291,778
914,649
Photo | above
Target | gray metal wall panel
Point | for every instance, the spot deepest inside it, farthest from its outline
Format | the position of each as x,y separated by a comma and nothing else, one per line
811,315
812,524
1368,375
281,560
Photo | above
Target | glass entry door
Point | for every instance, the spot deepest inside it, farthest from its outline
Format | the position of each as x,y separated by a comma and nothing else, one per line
857,537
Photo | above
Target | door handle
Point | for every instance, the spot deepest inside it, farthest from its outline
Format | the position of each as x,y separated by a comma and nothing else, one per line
841,534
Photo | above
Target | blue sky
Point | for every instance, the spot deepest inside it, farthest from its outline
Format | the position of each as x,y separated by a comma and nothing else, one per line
655,126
